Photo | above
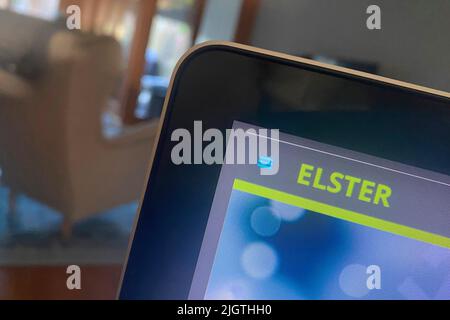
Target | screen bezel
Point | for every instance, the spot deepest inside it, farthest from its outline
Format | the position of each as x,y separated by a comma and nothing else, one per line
129,275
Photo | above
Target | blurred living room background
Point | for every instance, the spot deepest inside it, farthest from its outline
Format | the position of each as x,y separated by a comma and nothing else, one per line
79,109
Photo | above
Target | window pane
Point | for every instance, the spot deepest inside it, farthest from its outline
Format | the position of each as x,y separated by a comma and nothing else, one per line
45,9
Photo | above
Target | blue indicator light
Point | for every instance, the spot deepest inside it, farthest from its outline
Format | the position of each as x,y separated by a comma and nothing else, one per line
265,163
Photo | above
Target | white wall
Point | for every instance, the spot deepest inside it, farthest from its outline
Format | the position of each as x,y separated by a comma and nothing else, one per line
219,20
413,45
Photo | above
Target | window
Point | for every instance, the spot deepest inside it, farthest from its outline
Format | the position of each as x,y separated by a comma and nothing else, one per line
45,9
170,36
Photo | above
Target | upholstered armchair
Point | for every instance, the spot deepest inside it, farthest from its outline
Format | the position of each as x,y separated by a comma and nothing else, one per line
52,146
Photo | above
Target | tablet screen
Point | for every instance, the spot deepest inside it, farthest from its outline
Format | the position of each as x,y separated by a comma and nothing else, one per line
308,220
345,197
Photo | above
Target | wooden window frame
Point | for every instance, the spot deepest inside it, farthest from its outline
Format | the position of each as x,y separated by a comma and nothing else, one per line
246,22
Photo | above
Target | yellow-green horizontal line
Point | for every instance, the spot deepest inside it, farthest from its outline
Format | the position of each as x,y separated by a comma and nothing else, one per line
340,213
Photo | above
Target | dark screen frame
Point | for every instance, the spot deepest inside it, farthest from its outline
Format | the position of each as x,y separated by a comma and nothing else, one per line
166,241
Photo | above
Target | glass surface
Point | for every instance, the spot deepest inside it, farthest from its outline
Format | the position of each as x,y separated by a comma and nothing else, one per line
359,115
328,224
312,256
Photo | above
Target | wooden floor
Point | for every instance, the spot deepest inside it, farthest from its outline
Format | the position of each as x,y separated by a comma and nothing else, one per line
42,283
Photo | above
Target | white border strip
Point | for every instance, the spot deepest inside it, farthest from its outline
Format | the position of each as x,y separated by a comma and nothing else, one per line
351,159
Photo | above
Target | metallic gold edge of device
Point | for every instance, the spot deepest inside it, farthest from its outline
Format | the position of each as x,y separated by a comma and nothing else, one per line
265,52
330,67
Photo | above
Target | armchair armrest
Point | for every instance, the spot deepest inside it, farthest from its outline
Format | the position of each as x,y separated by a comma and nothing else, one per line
141,133
13,86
